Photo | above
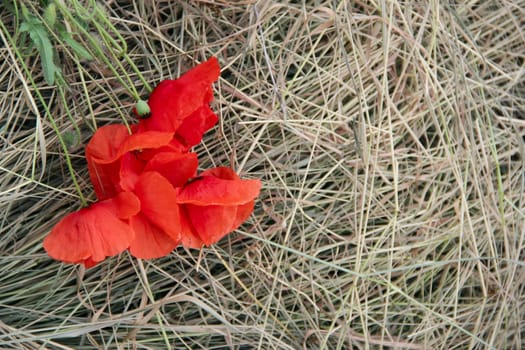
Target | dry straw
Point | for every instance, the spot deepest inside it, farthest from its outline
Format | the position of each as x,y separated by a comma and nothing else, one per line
389,136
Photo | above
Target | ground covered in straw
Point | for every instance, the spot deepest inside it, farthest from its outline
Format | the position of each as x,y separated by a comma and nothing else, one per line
389,137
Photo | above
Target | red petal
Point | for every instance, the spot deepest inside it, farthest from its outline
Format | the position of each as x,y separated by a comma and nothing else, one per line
221,172
150,242
107,146
193,127
106,142
190,238
90,234
131,166
202,75
175,167
243,212
175,146
211,222
140,141
105,178
158,203
88,263
104,145
143,140
211,190
174,100
124,205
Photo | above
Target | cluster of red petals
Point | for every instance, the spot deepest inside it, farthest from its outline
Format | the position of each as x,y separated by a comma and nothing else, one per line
150,197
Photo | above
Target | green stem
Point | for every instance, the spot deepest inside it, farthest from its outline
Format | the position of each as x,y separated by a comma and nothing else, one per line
68,111
111,44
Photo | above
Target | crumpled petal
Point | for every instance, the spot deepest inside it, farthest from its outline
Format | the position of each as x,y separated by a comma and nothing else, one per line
124,205
220,186
158,203
150,241
172,101
132,142
141,141
212,222
105,149
175,146
91,234
189,237
195,125
131,166
209,224
214,204
177,168
104,144
105,179
243,212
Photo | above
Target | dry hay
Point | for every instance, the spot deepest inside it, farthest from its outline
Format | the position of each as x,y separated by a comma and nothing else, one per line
390,140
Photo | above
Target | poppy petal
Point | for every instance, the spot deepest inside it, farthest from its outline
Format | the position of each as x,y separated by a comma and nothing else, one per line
211,190
221,172
134,142
202,75
104,145
243,212
213,222
175,167
87,263
106,141
174,100
131,166
107,146
175,146
124,205
143,140
193,127
189,238
91,234
150,242
158,203
105,178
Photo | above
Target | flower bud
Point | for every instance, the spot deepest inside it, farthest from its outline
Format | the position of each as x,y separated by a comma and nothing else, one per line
142,109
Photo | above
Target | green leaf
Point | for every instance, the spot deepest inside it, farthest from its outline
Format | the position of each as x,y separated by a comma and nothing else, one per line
75,45
25,12
38,34
50,15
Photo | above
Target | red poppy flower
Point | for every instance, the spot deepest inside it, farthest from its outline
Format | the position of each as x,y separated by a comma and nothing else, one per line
91,234
145,179
181,106
214,204
150,168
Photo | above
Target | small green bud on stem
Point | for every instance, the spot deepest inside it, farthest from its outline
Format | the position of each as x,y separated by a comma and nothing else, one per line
142,109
